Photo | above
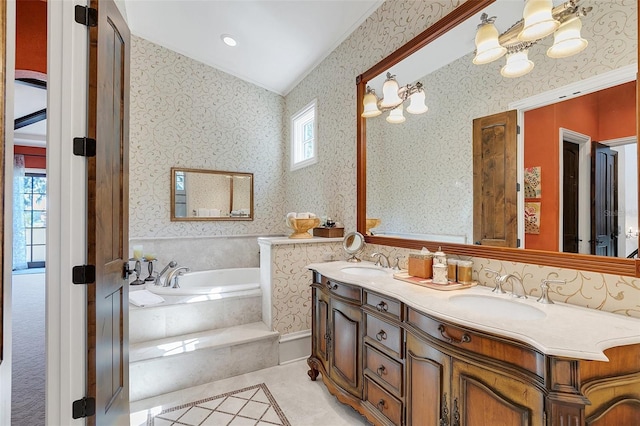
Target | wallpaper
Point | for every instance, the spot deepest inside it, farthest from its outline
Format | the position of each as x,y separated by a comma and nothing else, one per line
434,192
187,114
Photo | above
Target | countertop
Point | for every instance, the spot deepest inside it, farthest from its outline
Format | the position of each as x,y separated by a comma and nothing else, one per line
565,330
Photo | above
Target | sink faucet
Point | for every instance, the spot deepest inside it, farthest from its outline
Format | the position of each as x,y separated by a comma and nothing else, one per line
171,264
506,278
381,256
175,273
496,278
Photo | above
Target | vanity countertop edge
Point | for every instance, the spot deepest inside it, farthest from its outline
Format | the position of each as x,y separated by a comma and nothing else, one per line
566,330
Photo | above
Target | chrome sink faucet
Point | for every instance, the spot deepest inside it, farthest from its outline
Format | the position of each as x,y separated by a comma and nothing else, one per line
381,256
496,279
175,274
503,279
171,264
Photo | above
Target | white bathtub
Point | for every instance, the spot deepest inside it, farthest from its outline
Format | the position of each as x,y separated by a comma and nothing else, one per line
213,282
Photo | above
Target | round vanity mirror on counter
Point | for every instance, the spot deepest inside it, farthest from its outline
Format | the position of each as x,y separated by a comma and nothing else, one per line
353,244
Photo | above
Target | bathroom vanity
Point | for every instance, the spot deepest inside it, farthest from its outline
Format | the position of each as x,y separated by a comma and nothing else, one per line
402,354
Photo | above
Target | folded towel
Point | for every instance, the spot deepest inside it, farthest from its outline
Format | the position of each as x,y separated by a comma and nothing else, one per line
214,212
144,298
203,212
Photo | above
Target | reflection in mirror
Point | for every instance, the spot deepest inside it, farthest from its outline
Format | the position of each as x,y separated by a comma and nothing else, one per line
420,173
211,195
353,243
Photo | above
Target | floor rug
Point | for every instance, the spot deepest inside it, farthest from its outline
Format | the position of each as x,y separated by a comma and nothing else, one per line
253,405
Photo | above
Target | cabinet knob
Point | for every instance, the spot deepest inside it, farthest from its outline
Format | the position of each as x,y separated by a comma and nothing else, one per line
381,370
382,335
331,286
382,306
380,405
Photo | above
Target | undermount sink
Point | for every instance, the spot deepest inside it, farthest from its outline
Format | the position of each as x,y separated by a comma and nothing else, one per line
363,271
494,307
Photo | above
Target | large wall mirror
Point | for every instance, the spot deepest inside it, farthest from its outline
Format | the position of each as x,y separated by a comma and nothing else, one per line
211,195
417,176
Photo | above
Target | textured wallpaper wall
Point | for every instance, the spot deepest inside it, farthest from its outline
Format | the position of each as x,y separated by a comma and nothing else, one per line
187,114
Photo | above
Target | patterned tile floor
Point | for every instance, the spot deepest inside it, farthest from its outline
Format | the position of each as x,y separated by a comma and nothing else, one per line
302,402
252,405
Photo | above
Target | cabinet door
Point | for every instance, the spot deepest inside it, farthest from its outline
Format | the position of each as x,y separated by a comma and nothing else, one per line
428,384
321,327
486,398
346,347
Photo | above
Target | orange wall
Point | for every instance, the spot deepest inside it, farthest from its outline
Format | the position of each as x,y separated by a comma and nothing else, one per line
34,158
31,35
603,115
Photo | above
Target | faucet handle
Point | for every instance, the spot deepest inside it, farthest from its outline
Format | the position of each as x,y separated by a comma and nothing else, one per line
396,267
378,256
497,279
544,297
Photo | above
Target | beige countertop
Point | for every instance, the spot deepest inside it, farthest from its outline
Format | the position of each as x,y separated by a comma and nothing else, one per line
561,329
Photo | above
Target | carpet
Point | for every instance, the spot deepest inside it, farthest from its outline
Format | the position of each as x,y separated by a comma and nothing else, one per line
253,405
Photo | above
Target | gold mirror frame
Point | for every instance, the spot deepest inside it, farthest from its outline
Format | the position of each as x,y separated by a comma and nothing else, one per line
231,175
608,265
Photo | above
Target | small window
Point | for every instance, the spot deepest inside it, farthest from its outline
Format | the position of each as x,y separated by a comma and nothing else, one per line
304,137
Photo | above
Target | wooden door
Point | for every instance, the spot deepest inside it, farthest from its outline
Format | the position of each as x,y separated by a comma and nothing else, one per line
570,174
108,195
495,219
428,390
346,343
3,23
604,200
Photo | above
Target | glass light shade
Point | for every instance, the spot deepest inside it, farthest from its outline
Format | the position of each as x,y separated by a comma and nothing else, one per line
390,96
538,21
518,64
487,47
396,116
418,105
567,40
370,103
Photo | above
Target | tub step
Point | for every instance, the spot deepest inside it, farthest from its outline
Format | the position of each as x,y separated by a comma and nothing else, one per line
166,365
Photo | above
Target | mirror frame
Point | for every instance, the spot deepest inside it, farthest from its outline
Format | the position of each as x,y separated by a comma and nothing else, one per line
602,264
172,207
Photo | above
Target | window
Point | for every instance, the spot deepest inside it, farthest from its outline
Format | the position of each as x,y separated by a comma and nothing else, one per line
35,218
304,137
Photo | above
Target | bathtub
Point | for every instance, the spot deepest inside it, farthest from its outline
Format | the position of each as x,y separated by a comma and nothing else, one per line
215,282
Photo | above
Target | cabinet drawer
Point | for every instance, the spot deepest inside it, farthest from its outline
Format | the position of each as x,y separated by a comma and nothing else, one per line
386,369
386,334
384,304
383,401
491,346
346,291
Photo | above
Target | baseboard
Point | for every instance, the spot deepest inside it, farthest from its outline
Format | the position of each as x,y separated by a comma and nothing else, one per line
295,346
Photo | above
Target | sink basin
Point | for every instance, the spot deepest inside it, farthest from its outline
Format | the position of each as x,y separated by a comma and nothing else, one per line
494,307
363,271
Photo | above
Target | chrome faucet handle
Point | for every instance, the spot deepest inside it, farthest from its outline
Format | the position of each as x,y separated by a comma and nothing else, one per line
379,261
497,279
378,256
544,297
396,266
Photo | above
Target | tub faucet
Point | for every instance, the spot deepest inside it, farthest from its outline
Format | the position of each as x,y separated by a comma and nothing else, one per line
171,264
506,278
175,273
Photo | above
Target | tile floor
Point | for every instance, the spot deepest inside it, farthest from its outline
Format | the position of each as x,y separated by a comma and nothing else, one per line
303,402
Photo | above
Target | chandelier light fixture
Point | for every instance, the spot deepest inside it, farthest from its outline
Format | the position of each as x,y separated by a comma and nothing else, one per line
393,98
539,20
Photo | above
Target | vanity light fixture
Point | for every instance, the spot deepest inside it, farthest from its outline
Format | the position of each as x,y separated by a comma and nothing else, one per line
540,19
393,97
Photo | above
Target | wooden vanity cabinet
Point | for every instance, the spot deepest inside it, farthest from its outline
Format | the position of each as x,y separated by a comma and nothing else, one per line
399,366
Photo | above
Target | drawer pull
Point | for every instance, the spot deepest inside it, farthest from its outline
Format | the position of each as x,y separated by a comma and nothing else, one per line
380,405
331,286
443,332
381,370
382,335
382,306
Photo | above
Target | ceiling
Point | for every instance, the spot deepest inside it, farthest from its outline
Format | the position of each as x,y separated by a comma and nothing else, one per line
279,41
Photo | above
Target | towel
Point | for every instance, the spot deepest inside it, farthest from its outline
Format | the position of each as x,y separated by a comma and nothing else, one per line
144,298
203,212
214,212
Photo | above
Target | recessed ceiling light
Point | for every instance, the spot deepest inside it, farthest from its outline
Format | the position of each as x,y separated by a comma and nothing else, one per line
228,40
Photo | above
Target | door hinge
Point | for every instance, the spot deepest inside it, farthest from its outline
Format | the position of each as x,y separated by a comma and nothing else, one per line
517,129
84,274
87,16
84,147
517,242
84,407
517,187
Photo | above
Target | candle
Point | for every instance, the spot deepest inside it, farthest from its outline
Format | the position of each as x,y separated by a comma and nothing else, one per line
137,252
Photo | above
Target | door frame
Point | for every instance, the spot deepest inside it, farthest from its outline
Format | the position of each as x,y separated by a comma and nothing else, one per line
584,197
593,84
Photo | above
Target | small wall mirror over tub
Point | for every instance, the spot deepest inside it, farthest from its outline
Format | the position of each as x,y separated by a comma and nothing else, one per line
203,195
